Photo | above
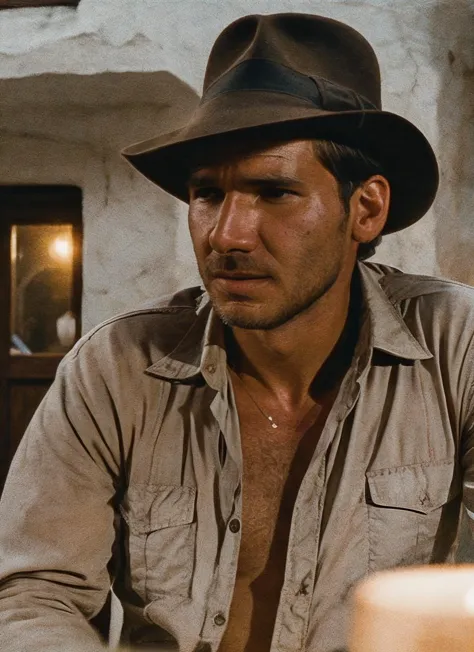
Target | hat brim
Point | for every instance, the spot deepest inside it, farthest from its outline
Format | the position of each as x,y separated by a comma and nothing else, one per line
407,159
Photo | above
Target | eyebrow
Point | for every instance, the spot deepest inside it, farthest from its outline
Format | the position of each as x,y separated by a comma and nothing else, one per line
198,180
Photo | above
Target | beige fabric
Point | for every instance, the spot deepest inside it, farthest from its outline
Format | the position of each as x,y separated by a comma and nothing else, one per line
133,464
116,621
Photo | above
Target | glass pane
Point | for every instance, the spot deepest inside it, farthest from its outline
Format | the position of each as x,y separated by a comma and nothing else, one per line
41,270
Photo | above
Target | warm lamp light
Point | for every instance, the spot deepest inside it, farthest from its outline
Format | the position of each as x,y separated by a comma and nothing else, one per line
13,245
61,248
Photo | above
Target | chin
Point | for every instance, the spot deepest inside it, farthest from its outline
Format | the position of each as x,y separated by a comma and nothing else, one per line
267,315
249,319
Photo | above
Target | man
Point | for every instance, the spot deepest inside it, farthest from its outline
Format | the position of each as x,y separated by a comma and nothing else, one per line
235,461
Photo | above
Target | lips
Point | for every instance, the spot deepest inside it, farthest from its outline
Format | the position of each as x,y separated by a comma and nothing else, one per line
240,277
241,285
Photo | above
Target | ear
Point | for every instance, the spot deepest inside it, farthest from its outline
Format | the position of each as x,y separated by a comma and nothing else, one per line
369,208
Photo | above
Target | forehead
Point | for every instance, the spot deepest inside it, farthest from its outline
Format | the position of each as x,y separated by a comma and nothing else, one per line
285,157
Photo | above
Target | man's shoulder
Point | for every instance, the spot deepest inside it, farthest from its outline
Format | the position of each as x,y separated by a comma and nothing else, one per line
403,288
185,299
152,329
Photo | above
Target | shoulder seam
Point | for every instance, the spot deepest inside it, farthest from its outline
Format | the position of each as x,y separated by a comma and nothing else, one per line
437,279
403,292
146,311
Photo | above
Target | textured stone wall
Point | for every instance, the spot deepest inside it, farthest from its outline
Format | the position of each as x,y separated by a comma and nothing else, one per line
76,85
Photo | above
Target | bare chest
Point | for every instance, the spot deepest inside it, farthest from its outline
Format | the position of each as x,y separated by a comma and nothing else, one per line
274,464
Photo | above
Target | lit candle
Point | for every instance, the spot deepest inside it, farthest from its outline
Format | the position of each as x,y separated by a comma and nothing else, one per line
422,609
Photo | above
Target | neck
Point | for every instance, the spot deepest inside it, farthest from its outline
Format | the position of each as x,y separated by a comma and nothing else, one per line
304,356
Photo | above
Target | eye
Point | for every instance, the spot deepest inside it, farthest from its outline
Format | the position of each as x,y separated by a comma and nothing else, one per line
275,194
207,193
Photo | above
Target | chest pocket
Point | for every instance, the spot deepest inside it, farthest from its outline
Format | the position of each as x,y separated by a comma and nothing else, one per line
411,513
161,539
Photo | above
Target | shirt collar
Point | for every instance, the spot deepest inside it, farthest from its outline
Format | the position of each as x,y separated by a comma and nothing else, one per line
201,353
388,331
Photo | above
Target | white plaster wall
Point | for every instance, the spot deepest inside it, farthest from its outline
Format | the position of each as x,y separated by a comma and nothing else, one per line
70,129
136,242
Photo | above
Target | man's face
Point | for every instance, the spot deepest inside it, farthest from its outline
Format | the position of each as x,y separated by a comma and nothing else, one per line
269,233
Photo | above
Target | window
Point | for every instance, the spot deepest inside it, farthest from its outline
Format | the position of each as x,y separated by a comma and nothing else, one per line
42,318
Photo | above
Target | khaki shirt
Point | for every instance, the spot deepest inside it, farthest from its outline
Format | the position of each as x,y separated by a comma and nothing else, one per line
131,469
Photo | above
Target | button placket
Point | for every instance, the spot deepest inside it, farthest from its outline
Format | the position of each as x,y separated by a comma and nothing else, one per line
293,613
220,595
221,592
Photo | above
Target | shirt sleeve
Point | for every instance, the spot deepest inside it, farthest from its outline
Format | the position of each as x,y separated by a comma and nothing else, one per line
57,517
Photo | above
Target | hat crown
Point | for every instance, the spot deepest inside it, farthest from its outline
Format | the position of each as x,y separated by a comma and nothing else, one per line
311,45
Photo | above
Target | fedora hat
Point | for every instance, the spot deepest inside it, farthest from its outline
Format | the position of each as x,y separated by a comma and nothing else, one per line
288,76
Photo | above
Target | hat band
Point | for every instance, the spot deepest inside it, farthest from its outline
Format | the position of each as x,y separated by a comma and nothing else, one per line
266,75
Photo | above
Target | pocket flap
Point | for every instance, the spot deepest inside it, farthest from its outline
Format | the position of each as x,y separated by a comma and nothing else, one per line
153,507
417,487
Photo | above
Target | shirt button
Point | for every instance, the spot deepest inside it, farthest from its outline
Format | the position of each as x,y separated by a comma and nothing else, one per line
211,368
219,619
234,525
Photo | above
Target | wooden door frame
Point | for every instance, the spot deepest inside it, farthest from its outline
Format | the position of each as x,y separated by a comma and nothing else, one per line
28,205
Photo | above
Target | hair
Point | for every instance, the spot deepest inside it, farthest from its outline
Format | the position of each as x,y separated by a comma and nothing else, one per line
350,167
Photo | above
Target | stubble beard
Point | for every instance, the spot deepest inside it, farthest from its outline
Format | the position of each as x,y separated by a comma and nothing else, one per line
303,301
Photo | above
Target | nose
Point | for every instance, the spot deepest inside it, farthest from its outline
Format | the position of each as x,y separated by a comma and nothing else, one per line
235,228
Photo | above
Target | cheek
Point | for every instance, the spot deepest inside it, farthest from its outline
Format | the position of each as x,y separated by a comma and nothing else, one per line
199,227
322,223
202,212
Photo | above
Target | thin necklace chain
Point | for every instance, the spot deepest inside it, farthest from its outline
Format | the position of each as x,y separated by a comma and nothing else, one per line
267,416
